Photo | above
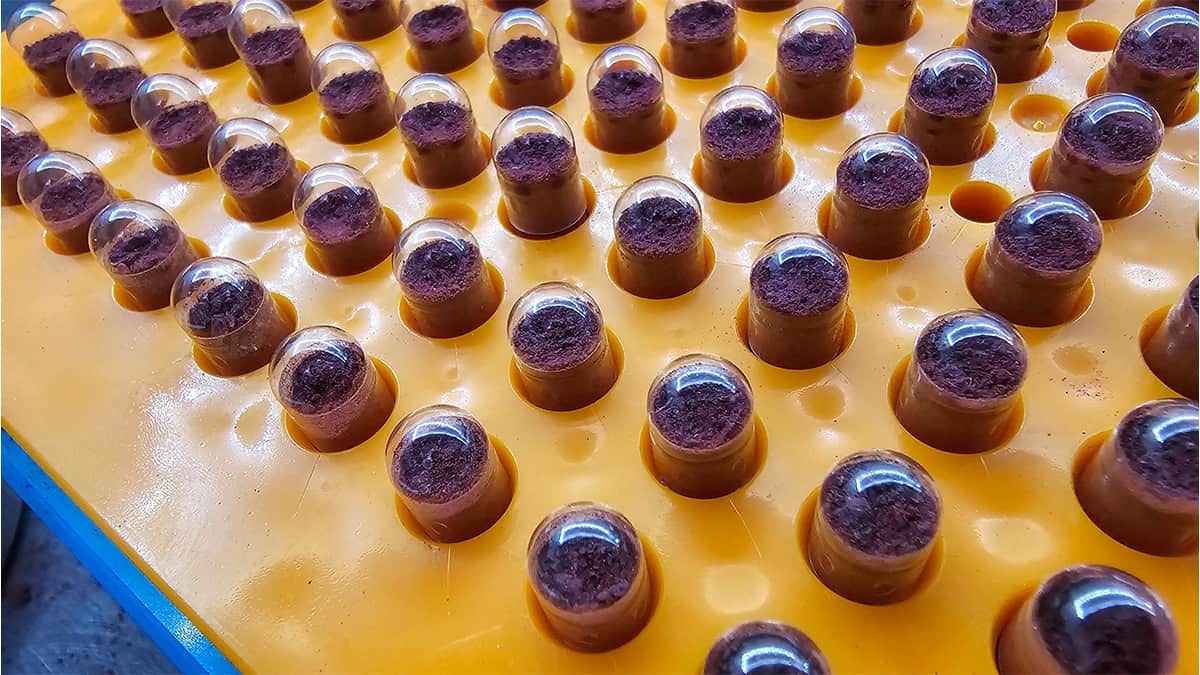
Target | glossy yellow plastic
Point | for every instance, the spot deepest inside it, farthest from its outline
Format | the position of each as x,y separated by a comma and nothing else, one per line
297,562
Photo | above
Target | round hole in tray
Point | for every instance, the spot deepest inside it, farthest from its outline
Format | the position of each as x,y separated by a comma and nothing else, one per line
456,212
1093,36
980,201
1039,112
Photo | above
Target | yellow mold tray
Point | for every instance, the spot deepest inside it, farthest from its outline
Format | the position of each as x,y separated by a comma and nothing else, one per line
292,561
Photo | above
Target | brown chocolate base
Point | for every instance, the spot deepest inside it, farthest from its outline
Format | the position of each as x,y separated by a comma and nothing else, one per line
448,288
15,151
367,19
946,114
529,72
108,95
880,22
336,404
541,185
146,264
68,206
442,39
878,206
1105,169
1171,351
629,113
262,180
797,311
237,329
660,248
146,17
280,64
1011,35
702,40
602,21
47,58
741,155
180,135
358,106
204,31
347,231
444,144
565,360
814,74
761,647
1161,70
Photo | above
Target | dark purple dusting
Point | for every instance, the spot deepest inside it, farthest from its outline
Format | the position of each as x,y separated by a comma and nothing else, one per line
250,170
429,125
703,21
341,215
743,133
113,85
800,285
536,158
439,270
658,226
599,5
1120,138
353,6
622,93
1171,48
526,58
700,416
353,92
1119,638
439,466
556,337
204,19
884,181
144,249
979,367
765,648
816,52
957,91
322,379
586,572
135,7
888,518
438,25
1056,242
1169,463
69,197
51,50
225,308
273,45
1015,16
17,149
182,124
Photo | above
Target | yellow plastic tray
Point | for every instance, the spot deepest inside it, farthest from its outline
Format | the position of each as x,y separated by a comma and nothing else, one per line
297,562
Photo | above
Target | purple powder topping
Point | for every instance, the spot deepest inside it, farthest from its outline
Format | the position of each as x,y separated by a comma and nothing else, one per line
886,516
703,21
1161,446
440,270
204,19
1172,48
799,285
1121,138
70,196
1117,633
439,465
136,7
1015,16
253,169
17,149
429,125
742,134
182,124
341,215
51,50
526,58
323,379
144,249
438,25
622,93
113,85
658,227
353,92
883,181
225,308
977,367
816,52
1055,242
703,415
536,158
587,571
557,337
273,45
957,91
599,5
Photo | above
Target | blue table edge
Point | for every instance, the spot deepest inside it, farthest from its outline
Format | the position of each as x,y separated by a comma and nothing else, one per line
174,633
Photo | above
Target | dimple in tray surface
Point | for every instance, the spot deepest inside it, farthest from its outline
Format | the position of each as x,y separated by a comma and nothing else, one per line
293,561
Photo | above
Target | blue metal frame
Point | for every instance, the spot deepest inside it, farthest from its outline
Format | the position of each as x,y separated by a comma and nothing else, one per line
168,627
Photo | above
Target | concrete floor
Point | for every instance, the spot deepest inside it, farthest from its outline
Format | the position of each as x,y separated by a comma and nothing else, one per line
58,619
